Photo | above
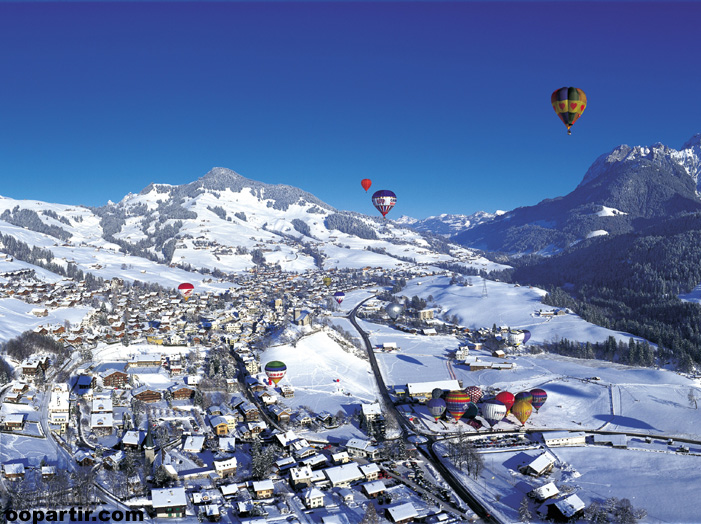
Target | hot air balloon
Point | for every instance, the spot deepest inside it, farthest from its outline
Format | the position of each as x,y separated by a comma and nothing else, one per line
539,398
493,411
366,183
475,393
472,410
522,395
456,403
275,370
526,336
186,290
436,406
384,200
522,409
569,104
507,399
394,310
436,393
327,281
339,295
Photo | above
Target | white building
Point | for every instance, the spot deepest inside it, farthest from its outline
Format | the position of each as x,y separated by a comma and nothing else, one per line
555,439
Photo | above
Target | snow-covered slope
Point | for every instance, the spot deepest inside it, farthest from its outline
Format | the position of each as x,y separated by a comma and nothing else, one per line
447,225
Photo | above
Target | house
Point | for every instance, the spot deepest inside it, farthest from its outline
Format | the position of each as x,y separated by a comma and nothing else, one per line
566,509
146,394
48,472
340,458
263,489
281,413
33,365
287,391
13,471
193,444
544,492
83,458
226,467
313,498
498,353
343,476
220,425
373,489
401,513
181,392
133,439
169,502
425,314
539,466
14,422
421,391
101,423
300,477
362,448
227,444
371,471
102,405
114,378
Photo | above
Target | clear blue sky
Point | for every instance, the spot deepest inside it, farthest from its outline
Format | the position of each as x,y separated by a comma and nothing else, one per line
447,104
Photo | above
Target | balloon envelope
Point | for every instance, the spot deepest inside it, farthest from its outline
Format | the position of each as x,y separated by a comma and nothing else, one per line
339,295
569,104
185,289
436,393
436,406
493,411
507,399
366,183
522,409
384,201
475,393
539,398
472,410
275,370
526,336
523,395
394,310
456,403
327,281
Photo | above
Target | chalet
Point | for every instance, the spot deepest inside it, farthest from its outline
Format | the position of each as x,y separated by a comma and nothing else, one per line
362,448
14,422
539,466
267,398
113,378
226,467
566,510
13,471
84,382
498,353
341,457
48,472
374,489
313,498
263,489
250,411
315,461
101,423
133,439
181,392
102,405
113,460
193,444
301,477
144,360
371,471
281,413
212,512
227,444
287,391
343,476
220,425
544,492
83,458
146,394
169,502
401,513
34,364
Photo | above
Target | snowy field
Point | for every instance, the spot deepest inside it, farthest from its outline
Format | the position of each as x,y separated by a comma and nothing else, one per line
16,317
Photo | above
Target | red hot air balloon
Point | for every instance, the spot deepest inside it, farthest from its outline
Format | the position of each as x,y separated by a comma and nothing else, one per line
384,201
539,398
456,403
366,183
507,399
186,290
475,393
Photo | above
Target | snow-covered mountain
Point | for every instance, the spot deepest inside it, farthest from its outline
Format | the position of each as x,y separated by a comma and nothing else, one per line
447,225
639,185
222,223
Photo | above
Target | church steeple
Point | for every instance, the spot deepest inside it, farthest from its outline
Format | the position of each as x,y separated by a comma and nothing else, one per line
149,447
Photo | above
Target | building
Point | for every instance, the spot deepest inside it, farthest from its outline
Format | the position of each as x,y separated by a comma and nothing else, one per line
539,466
14,422
181,392
374,489
114,378
147,394
263,489
566,509
421,391
169,502
544,492
373,420
555,439
313,498
401,513
362,448
13,471
343,476
301,477
226,467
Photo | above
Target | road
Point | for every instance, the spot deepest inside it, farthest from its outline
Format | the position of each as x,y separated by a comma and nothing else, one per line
408,430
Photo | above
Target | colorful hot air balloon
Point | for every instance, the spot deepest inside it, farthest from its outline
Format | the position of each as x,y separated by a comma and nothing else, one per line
523,395
394,310
569,104
384,201
436,406
456,403
366,183
339,295
472,410
327,281
539,398
493,411
436,393
522,409
275,370
475,393
186,290
507,399
526,336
